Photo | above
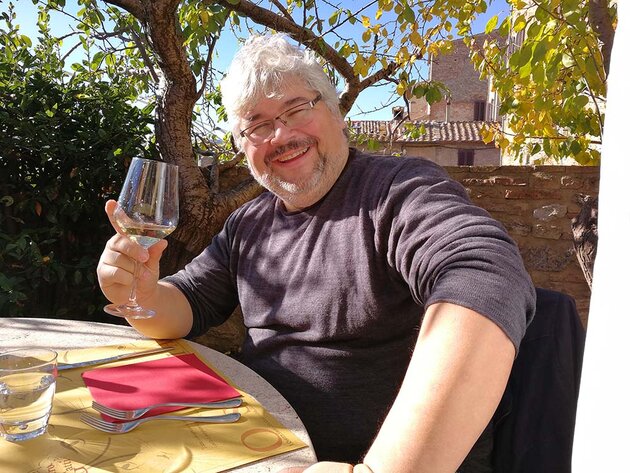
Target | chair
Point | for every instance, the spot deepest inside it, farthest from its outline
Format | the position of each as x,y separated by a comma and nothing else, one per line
535,420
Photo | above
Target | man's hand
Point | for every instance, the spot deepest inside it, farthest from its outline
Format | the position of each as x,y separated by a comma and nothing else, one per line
116,273
115,269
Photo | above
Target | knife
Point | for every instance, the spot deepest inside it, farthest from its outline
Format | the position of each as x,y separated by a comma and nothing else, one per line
124,356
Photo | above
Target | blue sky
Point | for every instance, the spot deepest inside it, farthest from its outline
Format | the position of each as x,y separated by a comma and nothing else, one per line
368,101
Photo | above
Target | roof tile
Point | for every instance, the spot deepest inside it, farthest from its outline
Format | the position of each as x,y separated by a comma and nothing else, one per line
433,132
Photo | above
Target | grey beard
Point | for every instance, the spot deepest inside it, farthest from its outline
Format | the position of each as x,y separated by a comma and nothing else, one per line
290,190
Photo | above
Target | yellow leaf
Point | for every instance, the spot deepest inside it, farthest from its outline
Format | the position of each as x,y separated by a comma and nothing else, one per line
415,38
520,23
388,5
378,14
366,21
204,17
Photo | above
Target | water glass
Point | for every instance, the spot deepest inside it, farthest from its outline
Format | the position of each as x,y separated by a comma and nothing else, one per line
27,387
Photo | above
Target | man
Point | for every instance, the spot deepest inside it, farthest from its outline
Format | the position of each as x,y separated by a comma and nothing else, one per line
378,300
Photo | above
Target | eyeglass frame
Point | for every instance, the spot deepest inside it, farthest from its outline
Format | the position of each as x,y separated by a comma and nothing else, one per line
243,133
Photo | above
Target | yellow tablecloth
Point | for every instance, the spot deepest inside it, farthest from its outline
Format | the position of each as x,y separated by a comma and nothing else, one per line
159,446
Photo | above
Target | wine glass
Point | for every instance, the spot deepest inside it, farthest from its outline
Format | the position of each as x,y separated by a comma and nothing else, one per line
148,209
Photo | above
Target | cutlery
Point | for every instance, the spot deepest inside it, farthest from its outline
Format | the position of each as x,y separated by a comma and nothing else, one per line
124,427
132,414
124,356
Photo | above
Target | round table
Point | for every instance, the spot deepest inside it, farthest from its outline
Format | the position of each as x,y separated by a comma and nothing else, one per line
68,334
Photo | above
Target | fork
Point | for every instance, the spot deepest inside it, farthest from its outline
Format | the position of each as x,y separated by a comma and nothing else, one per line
124,427
132,414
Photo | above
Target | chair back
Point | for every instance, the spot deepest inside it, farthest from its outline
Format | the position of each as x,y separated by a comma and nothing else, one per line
535,420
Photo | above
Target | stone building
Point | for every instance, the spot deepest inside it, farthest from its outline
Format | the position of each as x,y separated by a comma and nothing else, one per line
469,97
449,131
456,143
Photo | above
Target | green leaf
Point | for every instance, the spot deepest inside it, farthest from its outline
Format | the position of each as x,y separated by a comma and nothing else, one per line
433,95
332,20
492,24
581,101
409,15
540,50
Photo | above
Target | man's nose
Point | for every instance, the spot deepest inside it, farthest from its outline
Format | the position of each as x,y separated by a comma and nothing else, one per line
281,132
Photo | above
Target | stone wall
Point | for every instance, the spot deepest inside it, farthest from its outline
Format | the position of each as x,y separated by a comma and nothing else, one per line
536,205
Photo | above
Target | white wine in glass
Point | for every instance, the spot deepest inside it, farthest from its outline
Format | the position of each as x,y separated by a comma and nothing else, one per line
148,210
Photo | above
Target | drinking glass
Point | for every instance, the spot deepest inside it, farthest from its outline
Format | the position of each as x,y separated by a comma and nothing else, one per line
27,387
148,209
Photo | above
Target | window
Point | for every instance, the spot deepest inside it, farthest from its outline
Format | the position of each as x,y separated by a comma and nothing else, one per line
480,111
465,157
398,113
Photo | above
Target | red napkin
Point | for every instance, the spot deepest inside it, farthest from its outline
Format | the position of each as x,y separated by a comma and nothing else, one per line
183,378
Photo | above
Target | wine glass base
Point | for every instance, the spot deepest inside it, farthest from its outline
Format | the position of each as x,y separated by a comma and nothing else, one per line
129,312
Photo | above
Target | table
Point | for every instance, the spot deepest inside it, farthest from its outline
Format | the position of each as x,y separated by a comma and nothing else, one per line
68,334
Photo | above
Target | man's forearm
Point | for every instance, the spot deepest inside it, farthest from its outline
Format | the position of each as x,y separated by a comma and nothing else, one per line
454,382
173,317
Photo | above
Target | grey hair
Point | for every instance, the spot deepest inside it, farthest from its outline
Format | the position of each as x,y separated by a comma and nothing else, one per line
261,68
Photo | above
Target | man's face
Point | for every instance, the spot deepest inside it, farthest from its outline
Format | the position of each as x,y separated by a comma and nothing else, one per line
299,164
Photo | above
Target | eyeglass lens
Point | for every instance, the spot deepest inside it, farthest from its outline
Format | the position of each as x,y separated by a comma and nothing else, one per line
292,118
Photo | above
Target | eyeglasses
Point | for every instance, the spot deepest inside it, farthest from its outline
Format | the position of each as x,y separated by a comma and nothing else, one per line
294,117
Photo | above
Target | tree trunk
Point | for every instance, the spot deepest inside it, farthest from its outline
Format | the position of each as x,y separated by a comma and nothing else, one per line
584,227
204,204
600,20
202,208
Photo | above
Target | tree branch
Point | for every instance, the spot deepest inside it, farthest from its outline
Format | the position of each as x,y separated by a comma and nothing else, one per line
145,56
228,200
601,22
70,51
212,41
135,7
309,39
301,35
238,157
284,11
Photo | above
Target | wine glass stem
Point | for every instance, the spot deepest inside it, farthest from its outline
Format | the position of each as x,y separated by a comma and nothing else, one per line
137,267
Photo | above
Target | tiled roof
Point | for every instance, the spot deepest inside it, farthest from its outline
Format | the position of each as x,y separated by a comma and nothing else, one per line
434,131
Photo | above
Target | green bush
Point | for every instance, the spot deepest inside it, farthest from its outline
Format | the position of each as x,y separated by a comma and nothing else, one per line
64,144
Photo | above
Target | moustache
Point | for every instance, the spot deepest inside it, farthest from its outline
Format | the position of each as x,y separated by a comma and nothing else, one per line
291,145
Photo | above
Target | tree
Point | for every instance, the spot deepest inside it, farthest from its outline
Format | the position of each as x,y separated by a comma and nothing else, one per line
61,142
167,46
550,76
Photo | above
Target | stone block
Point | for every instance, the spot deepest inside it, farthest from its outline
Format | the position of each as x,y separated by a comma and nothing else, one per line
550,212
517,227
549,179
551,232
476,181
571,182
591,183
508,181
532,194
509,207
546,259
